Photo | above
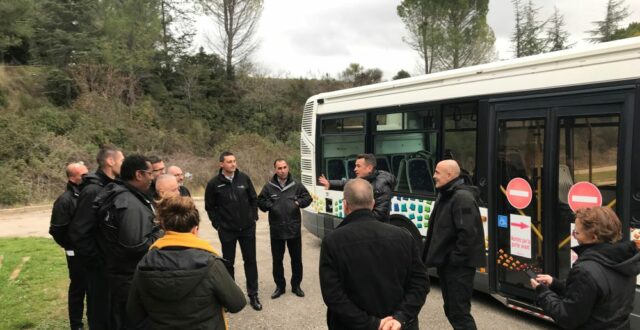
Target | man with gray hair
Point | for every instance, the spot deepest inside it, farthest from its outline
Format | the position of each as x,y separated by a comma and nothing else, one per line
378,263
455,242
177,172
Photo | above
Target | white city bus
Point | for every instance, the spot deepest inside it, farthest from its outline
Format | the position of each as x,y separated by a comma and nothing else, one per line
554,120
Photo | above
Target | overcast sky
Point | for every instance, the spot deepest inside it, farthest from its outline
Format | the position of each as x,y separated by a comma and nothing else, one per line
308,38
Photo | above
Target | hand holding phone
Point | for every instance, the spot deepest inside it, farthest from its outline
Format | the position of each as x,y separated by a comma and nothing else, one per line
532,275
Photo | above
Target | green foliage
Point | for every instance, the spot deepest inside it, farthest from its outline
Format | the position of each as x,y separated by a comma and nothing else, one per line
60,88
633,30
401,75
606,28
16,28
527,38
557,36
355,75
35,299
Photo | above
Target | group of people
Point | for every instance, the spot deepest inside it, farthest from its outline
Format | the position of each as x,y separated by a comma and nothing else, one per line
130,232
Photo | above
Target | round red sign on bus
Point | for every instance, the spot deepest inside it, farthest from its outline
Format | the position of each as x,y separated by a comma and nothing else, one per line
584,194
519,193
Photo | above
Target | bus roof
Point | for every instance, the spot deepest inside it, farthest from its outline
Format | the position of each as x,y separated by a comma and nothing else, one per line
605,62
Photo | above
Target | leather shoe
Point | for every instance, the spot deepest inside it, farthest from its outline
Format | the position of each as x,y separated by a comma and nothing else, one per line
255,303
297,291
279,292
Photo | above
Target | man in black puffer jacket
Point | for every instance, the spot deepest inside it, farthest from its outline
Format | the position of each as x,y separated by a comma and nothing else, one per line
231,203
455,242
283,198
127,230
383,184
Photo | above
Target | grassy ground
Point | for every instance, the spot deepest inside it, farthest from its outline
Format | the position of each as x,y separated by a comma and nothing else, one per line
34,297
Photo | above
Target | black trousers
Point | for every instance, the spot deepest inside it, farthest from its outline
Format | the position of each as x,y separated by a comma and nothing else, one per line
457,287
97,294
119,286
247,240
77,291
295,253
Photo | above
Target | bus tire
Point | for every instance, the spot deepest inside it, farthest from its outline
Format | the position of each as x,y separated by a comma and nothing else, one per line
403,222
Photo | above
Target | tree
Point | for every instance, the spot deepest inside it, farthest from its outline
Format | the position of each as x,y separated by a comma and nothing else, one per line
236,21
527,37
16,28
355,75
421,19
448,34
176,21
616,13
401,75
633,30
557,36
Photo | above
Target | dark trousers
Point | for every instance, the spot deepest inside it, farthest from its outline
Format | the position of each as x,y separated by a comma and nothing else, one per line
295,253
247,240
457,287
97,295
77,291
119,286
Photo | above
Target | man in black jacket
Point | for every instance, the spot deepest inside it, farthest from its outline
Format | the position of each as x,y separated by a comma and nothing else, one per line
127,230
383,184
63,209
283,198
455,242
177,172
83,232
371,274
231,203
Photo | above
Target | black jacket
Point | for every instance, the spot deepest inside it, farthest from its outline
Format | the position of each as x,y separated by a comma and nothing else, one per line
184,192
455,235
83,230
370,270
383,184
61,215
284,213
127,227
183,288
231,205
599,291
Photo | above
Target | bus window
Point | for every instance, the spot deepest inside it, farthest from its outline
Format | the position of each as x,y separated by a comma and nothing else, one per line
459,138
405,143
342,140
588,151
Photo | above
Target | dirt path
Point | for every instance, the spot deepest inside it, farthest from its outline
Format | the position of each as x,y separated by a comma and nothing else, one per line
23,222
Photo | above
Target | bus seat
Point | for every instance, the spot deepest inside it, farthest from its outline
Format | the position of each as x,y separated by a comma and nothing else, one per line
419,175
351,165
564,183
336,169
382,163
396,161
402,183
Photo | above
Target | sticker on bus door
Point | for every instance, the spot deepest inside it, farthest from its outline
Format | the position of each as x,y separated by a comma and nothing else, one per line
520,235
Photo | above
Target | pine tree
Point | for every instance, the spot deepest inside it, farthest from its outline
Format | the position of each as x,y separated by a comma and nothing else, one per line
557,36
605,29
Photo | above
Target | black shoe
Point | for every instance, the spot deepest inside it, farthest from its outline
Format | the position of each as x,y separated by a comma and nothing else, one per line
297,291
255,303
279,292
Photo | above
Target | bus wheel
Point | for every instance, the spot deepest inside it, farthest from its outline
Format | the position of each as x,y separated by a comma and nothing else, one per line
403,222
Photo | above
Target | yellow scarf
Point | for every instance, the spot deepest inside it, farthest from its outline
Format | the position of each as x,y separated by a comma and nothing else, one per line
189,240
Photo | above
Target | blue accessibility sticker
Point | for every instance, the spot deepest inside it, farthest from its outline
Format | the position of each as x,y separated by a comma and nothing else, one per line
503,221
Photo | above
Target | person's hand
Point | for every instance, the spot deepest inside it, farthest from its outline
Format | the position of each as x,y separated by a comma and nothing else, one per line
544,279
636,238
323,181
389,323
534,283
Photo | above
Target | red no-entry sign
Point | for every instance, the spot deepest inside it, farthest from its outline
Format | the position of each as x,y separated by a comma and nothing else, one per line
519,193
584,194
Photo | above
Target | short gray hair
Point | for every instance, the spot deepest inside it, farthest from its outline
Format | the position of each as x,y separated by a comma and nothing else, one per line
358,194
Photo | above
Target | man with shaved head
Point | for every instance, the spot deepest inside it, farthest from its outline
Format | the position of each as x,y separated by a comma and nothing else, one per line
455,242
177,172
61,215
167,186
371,274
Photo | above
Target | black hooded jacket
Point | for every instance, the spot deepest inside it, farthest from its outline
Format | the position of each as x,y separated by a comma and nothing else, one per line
127,227
61,215
83,230
455,235
599,291
231,205
383,184
280,202
183,288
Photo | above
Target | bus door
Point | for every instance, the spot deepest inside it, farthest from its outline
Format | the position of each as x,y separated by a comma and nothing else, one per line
543,155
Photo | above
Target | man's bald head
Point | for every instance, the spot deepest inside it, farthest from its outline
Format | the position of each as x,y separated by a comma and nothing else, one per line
177,172
167,186
446,171
75,172
358,194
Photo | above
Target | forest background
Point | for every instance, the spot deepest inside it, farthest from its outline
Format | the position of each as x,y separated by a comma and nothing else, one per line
76,74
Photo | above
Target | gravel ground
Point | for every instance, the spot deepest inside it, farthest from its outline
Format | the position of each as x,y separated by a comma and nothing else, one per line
290,311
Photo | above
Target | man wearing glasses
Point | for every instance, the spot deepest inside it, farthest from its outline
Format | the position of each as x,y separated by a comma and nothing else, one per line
158,169
127,229
177,172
